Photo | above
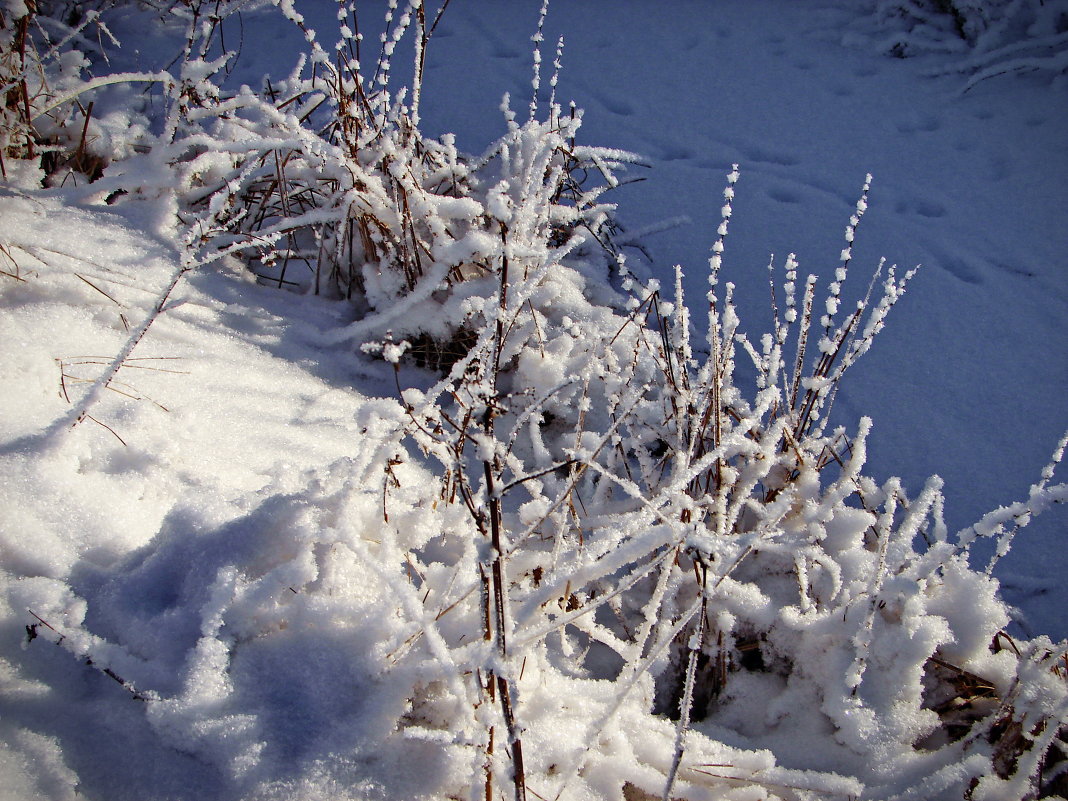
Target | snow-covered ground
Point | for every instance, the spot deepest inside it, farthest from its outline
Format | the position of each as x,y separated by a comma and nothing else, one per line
241,426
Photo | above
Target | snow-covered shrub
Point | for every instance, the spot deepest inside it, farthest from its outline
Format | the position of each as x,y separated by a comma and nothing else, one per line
718,557
19,77
45,51
989,37
591,561
332,187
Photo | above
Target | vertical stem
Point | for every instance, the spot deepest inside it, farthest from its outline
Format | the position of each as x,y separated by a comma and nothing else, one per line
489,759
21,35
491,467
79,154
686,702
497,567
421,38
502,307
513,738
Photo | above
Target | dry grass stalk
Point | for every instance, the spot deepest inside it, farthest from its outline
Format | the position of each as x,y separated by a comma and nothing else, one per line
17,271
33,632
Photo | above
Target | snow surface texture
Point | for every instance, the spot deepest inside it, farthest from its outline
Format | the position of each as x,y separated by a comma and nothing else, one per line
246,540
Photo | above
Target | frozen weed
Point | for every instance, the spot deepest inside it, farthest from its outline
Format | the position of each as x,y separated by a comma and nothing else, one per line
327,182
44,50
590,560
716,554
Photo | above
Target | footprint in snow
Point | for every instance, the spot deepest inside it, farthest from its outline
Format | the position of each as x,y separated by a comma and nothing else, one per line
960,267
673,151
616,105
923,207
783,194
922,123
762,155
666,150
690,42
965,144
1000,167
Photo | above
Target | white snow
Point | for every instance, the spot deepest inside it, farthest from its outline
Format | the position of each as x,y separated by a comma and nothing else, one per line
244,552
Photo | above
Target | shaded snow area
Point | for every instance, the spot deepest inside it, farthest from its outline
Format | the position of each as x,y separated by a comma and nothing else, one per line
485,435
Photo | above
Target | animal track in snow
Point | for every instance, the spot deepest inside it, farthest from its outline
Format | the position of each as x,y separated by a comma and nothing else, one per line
615,105
1015,269
956,265
924,207
784,194
761,155
1000,167
965,144
674,151
925,123
666,149
690,42
959,268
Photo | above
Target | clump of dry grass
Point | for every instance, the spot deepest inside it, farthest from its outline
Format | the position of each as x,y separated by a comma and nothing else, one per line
14,125
42,117
359,204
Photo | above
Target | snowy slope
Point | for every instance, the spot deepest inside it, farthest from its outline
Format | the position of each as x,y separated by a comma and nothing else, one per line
242,422
230,400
